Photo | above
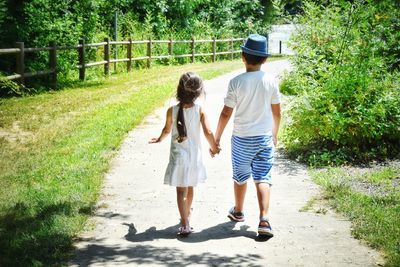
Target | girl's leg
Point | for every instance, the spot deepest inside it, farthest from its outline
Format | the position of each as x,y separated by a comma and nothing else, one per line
181,197
189,200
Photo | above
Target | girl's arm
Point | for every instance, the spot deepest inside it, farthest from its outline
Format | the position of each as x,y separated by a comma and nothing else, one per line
166,130
208,133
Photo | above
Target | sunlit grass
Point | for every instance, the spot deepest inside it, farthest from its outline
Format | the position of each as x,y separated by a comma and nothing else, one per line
382,176
373,205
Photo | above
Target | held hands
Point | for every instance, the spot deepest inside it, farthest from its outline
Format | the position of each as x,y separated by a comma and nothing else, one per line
215,150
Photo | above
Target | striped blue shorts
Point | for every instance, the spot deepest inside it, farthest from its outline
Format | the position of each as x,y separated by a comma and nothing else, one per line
252,156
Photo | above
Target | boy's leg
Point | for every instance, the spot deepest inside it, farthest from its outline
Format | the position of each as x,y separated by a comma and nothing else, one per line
242,155
263,196
181,196
261,171
240,193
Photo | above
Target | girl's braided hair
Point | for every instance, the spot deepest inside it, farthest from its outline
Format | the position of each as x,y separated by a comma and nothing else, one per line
190,87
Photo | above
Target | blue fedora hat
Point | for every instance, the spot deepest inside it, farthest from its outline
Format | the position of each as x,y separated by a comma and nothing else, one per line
256,45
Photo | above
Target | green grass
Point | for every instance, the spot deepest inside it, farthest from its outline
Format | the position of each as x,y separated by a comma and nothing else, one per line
375,216
379,177
55,149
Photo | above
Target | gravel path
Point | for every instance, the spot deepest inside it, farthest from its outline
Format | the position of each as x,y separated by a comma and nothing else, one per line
137,220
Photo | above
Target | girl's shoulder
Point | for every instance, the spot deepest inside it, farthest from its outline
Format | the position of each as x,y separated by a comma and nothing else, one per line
199,108
174,107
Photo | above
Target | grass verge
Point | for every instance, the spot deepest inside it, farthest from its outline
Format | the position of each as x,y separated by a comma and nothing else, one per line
55,149
370,198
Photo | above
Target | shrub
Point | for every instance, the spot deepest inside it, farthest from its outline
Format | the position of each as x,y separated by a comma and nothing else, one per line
10,88
346,105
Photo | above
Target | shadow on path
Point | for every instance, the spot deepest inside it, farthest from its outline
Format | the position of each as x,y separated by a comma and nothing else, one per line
138,253
221,231
286,166
163,256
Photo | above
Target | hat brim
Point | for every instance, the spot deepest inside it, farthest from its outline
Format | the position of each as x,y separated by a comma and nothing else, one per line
254,52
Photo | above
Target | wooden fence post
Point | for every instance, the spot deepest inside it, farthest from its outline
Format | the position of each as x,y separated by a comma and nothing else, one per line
170,49
214,46
53,64
107,56
280,47
20,62
232,48
192,49
82,59
149,47
129,55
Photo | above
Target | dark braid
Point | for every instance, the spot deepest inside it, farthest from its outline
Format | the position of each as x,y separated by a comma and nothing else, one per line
180,124
190,87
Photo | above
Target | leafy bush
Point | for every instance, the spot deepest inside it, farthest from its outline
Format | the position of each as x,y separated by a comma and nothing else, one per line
8,87
345,84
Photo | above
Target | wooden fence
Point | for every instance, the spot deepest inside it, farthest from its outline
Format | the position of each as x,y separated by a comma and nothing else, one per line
20,50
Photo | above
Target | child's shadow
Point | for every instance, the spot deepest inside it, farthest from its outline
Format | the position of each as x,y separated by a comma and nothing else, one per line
219,231
150,234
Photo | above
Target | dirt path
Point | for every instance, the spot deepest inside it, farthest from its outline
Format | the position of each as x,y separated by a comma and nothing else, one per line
137,221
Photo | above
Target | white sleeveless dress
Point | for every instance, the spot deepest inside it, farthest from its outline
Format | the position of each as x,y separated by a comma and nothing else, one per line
185,167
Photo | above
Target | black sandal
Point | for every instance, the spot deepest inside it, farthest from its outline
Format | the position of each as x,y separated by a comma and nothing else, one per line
265,230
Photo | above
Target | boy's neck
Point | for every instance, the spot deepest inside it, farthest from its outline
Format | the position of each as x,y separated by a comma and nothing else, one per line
251,68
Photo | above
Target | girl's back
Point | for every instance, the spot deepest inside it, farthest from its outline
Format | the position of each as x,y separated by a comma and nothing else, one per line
185,166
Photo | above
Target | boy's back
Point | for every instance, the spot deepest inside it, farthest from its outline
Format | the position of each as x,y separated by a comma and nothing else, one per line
255,96
252,94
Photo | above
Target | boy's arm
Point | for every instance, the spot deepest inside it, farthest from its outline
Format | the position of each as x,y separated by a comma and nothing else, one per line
166,130
226,114
276,114
208,133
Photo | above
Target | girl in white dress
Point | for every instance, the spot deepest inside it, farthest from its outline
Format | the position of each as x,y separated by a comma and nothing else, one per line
185,168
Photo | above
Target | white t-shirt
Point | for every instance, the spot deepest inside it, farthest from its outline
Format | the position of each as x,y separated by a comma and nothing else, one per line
252,93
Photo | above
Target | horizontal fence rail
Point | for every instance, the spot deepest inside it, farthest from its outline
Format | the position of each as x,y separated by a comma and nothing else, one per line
20,50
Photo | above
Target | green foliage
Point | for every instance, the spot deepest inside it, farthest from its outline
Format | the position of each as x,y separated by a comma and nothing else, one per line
38,22
3,11
346,103
8,87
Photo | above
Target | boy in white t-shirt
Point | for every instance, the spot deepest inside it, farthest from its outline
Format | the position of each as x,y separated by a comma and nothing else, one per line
255,95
